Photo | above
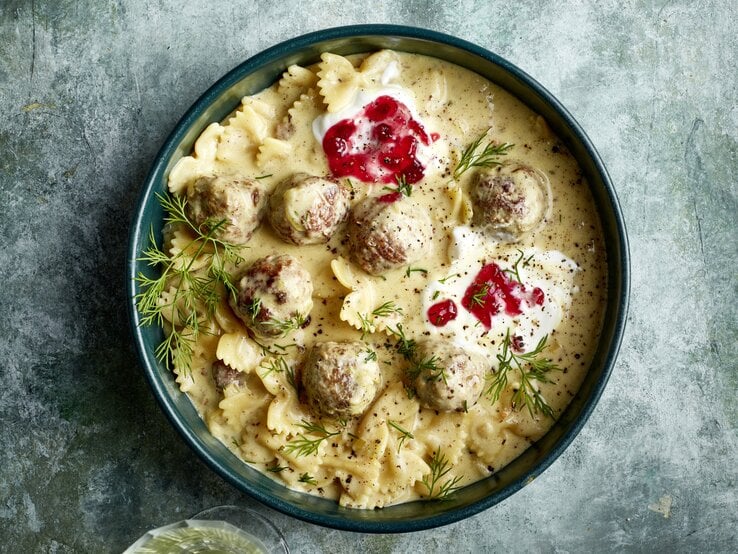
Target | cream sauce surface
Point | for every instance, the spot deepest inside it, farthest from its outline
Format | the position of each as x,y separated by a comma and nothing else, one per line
366,464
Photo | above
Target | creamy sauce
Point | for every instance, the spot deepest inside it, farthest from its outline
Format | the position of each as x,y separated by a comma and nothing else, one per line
279,132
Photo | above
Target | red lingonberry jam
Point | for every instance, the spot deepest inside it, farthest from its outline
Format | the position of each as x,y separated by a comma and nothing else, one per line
442,312
517,343
493,291
390,197
537,296
379,145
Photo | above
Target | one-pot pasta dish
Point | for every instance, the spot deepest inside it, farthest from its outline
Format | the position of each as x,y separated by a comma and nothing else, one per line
381,279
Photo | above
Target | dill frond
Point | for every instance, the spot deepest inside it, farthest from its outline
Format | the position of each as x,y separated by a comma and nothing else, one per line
488,157
404,434
303,445
196,290
440,467
532,368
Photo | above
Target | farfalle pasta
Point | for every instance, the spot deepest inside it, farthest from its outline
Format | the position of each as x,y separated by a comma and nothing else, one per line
272,151
339,81
294,81
201,162
416,292
238,352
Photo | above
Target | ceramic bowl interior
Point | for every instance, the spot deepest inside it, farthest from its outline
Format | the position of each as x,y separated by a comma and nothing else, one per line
261,71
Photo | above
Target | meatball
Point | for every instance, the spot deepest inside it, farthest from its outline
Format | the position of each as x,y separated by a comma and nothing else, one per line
450,379
388,235
274,296
510,200
308,210
339,378
238,201
224,375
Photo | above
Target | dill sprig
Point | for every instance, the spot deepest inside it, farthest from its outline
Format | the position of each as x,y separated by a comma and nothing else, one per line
278,364
439,467
176,213
307,478
366,326
521,261
435,372
480,297
177,348
274,349
403,187
430,364
253,309
196,290
284,327
404,434
486,158
530,366
406,347
452,276
411,269
371,355
276,468
274,326
384,310
304,446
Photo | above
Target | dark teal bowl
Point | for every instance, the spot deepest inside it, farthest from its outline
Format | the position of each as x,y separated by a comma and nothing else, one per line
261,71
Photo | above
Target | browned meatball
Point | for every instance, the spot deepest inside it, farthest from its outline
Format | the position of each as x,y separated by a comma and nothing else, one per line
510,200
238,201
450,379
224,375
340,379
308,210
388,235
274,296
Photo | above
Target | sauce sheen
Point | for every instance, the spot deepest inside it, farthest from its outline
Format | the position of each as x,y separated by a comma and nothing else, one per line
411,125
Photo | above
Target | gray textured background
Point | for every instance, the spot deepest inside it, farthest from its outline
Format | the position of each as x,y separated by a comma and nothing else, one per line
90,89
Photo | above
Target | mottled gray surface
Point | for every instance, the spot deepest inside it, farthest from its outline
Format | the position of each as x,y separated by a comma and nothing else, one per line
89,89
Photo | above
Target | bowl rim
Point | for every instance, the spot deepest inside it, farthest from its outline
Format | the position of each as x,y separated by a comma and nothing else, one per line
158,167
